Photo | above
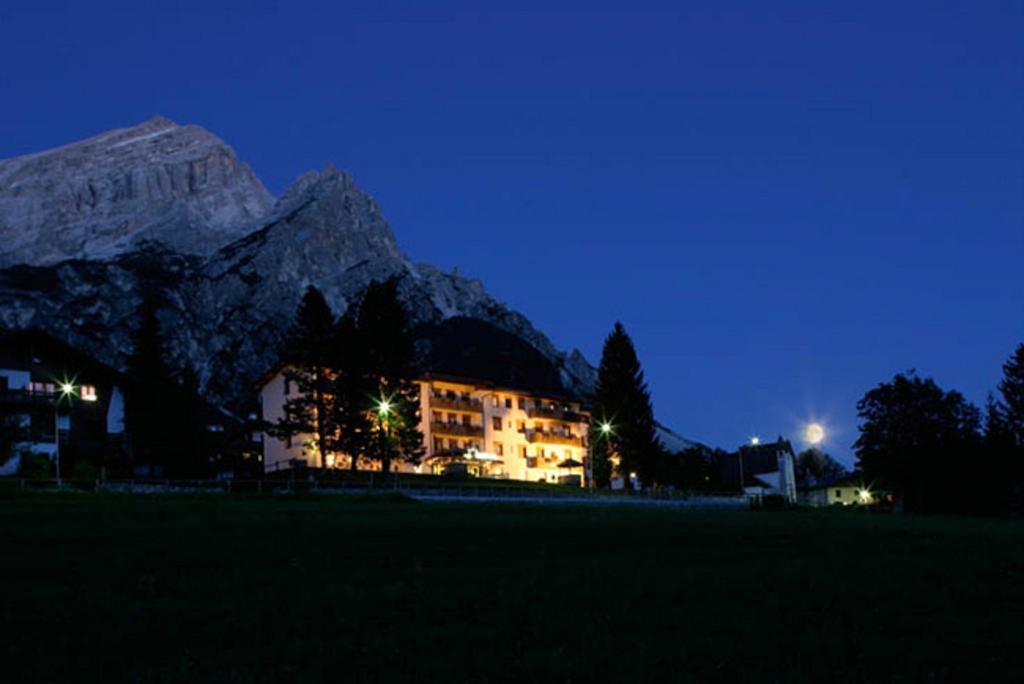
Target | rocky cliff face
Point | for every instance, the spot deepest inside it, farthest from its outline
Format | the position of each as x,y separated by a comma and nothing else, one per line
101,197
199,231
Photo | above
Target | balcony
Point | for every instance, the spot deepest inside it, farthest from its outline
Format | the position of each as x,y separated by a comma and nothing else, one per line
555,413
542,437
456,429
456,403
26,397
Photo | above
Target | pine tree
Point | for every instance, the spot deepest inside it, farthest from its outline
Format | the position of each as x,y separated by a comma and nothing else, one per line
383,328
622,399
150,407
352,389
192,439
307,351
1004,433
998,430
1011,407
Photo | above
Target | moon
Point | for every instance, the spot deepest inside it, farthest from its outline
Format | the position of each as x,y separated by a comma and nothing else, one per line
814,433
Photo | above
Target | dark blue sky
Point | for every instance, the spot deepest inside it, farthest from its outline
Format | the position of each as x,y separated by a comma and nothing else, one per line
784,203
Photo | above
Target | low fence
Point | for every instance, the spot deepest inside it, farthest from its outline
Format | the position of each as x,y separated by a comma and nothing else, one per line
476,490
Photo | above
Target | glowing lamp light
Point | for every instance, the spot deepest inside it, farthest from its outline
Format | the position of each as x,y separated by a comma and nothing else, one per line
814,433
865,495
384,407
606,428
67,389
755,440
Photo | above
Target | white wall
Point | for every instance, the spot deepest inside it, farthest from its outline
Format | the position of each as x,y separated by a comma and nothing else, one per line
115,412
276,452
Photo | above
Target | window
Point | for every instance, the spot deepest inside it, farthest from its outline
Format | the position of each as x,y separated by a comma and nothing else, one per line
288,441
451,418
839,493
508,402
496,422
437,417
494,401
88,393
521,426
522,403
465,420
36,387
522,452
499,448
540,452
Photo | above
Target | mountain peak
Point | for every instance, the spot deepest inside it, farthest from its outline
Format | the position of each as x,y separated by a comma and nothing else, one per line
99,197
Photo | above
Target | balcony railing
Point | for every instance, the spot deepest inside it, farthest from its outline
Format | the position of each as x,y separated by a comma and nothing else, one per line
456,429
540,463
555,413
456,403
541,437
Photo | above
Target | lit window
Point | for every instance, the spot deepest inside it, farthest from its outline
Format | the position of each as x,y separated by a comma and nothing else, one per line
499,448
88,393
496,422
36,387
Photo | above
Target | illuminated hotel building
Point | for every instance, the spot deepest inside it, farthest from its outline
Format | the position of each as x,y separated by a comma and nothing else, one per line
469,427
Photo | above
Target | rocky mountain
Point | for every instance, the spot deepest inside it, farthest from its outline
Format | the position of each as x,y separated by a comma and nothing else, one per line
95,199
168,211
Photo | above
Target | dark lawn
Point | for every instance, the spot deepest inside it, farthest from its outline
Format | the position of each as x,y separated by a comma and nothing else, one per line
160,588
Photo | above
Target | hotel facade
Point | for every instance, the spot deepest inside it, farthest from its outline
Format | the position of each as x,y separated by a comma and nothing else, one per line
469,427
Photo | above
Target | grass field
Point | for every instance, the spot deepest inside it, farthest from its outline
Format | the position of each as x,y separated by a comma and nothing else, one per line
162,588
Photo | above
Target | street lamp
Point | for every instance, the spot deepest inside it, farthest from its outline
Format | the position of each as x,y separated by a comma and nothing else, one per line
604,429
67,391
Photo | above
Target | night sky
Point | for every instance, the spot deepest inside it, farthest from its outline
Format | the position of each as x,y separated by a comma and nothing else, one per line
784,203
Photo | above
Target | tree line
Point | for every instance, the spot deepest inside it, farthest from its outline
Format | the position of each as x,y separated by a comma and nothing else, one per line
355,381
936,452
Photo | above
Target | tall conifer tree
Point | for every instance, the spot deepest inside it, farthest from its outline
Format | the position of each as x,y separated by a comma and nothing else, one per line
308,353
353,389
1011,387
622,399
383,329
150,407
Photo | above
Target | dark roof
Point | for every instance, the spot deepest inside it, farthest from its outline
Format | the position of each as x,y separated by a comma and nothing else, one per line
755,459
